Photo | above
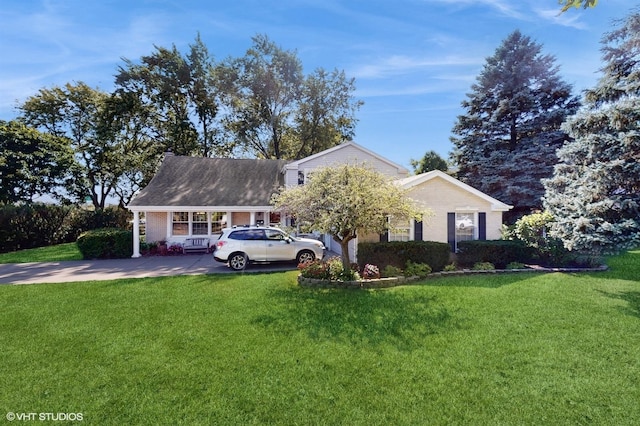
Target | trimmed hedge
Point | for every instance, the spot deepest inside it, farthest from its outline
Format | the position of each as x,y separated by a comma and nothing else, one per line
398,253
498,252
25,226
106,243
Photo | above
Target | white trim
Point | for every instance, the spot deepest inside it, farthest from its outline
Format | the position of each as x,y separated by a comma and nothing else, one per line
136,235
156,209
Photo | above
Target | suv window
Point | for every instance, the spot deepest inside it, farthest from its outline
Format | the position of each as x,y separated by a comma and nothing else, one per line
272,234
248,234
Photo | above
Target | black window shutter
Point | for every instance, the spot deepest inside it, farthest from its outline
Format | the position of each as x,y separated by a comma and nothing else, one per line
482,226
451,230
384,238
417,230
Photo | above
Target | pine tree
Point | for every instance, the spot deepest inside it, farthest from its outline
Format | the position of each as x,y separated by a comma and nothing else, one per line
595,189
506,142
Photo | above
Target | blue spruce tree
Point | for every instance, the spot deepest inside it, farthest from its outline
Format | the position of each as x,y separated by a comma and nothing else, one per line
594,193
506,141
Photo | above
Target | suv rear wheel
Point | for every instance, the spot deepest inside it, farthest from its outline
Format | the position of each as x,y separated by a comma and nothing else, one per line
238,261
305,256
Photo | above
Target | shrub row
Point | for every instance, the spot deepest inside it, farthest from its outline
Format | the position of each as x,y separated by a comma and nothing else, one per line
107,243
399,253
30,226
498,252
501,253
34,225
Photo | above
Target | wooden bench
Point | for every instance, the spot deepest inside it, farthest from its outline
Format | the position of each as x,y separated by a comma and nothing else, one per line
195,244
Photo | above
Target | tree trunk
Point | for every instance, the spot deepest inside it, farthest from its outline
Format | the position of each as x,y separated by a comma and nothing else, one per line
344,256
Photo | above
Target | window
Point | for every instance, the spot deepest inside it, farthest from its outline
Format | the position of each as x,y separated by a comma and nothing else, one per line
180,223
273,234
274,218
300,178
248,235
199,225
465,227
218,221
400,229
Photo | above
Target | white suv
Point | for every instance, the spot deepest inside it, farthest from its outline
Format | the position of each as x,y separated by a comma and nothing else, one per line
239,245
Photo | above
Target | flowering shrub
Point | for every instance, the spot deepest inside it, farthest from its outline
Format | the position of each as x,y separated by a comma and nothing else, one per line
335,268
316,269
330,269
174,249
370,272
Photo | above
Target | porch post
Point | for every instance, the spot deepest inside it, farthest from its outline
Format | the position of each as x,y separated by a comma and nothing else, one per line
252,218
136,234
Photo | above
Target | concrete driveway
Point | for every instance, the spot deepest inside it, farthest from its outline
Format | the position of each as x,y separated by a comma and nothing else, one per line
111,269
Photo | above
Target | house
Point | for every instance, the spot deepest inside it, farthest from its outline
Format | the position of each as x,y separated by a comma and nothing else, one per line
192,196
460,212
296,172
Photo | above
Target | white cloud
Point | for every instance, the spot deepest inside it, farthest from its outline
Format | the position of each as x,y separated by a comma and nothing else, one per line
505,7
400,64
564,19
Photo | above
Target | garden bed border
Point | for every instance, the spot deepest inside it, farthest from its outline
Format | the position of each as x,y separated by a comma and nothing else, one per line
397,281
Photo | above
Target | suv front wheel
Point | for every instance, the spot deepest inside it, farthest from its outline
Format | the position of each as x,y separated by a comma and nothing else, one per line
305,256
238,261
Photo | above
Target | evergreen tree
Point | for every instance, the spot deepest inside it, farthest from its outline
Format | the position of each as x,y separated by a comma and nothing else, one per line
595,189
430,161
506,142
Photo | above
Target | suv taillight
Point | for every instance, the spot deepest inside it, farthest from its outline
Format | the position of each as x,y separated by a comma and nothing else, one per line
220,244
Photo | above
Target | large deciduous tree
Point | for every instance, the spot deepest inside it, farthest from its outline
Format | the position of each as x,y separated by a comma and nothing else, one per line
505,142
32,163
344,200
595,189
277,112
179,96
74,112
124,121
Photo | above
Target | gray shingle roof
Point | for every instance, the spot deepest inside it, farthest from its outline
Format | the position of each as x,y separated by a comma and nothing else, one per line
193,181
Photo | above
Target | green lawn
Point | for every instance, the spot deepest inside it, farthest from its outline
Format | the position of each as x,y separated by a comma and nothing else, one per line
60,252
543,349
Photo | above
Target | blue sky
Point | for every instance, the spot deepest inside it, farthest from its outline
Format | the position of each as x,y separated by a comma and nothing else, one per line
413,60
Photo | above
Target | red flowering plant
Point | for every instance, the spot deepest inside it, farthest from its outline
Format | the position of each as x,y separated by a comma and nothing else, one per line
370,272
175,249
314,269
